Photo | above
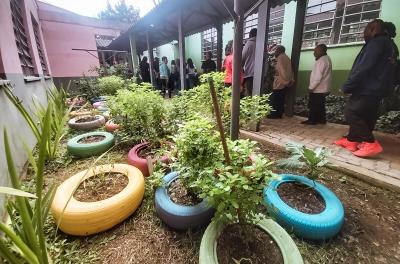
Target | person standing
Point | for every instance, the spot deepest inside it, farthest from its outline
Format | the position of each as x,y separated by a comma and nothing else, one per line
370,79
283,79
191,74
145,70
248,58
173,76
228,65
164,77
208,65
156,72
320,86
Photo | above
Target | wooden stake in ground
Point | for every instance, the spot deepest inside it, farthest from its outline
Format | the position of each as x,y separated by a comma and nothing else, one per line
219,120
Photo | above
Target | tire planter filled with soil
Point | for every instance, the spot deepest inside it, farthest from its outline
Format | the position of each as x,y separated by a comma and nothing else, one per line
90,144
305,216
73,114
86,218
179,216
85,123
98,104
288,249
135,158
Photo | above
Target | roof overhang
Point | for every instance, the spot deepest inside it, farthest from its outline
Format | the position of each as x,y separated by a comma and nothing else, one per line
197,15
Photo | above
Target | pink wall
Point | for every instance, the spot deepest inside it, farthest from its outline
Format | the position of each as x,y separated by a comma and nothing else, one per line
64,31
11,62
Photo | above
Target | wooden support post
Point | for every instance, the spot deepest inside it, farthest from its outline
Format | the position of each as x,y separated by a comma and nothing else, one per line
296,50
181,39
219,120
237,68
219,46
261,44
135,61
151,59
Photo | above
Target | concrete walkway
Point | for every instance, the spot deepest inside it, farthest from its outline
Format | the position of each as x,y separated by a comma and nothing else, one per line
383,171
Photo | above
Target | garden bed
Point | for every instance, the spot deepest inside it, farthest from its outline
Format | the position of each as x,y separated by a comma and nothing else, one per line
370,234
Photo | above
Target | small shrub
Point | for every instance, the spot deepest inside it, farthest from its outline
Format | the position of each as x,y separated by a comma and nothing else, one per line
86,87
389,122
141,112
110,85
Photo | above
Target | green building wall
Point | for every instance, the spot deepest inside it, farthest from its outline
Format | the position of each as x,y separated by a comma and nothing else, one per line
342,55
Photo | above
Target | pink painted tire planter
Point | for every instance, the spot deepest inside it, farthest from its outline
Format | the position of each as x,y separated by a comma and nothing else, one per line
135,160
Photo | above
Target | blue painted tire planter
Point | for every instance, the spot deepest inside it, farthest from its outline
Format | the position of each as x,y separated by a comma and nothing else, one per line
178,216
86,150
309,226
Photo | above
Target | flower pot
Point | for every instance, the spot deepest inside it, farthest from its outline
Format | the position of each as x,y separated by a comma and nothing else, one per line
78,149
111,126
319,226
98,104
289,251
86,218
89,125
139,162
178,216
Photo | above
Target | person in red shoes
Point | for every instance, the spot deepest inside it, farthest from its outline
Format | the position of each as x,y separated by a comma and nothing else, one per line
371,77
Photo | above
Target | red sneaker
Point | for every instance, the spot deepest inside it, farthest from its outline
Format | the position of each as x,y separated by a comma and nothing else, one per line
345,143
369,149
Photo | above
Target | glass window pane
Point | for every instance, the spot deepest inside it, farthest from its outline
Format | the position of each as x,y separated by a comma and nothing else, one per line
353,9
313,10
352,19
372,6
370,15
314,2
328,7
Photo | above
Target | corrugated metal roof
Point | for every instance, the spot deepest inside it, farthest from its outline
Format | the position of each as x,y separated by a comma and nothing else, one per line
162,21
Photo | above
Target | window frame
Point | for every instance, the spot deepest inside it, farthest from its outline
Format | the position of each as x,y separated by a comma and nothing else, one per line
209,35
39,47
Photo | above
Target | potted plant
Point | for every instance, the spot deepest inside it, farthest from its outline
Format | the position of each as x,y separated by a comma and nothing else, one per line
86,122
238,230
301,204
90,144
141,114
177,202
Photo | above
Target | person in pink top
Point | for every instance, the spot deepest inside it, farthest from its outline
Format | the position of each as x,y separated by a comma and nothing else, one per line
228,65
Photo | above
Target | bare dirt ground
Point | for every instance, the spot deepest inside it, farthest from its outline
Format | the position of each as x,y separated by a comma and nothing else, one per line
371,232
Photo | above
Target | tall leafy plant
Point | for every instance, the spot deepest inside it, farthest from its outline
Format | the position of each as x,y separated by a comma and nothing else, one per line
111,84
25,241
59,115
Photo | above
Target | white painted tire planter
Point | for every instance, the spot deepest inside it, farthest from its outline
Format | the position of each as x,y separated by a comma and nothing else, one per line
86,218
85,126
289,250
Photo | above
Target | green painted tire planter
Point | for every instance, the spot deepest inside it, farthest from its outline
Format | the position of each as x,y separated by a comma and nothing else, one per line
86,150
289,251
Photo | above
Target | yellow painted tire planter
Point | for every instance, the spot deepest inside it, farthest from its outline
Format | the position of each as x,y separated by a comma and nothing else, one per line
86,218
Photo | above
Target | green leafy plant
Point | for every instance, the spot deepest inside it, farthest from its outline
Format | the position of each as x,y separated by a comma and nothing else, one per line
85,87
110,85
141,112
389,122
24,240
58,116
198,101
303,157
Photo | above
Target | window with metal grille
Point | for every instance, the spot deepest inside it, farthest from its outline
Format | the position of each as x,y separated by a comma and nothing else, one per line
39,47
357,14
275,24
21,38
209,43
338,21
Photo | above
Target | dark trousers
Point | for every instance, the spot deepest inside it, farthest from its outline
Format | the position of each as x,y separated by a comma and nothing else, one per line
316,104
361,114
277,101
248,85
165,85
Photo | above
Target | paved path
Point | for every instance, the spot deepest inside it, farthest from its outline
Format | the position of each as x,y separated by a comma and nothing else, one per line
384,170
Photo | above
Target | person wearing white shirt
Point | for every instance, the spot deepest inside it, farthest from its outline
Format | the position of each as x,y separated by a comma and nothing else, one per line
320,86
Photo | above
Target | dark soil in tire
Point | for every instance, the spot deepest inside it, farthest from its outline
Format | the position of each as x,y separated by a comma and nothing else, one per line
101,187
251,245
91,139
86,119
147,151
180,195
301,197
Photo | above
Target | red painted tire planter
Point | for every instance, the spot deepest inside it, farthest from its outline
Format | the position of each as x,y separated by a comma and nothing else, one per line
111,126
135,160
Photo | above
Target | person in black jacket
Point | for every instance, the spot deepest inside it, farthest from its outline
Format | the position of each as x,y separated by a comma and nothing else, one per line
372,75
145,70
208,65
